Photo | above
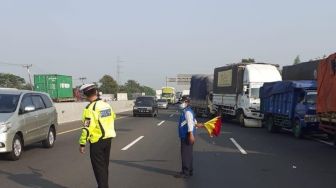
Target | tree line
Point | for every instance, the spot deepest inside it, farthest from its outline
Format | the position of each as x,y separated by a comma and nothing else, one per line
106,84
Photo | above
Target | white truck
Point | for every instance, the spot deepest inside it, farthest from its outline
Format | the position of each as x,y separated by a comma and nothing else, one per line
236,90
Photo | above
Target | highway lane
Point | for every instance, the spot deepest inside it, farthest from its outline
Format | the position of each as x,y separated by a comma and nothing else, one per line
271,160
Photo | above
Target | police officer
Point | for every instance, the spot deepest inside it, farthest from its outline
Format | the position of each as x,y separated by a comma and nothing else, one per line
187,127
98,128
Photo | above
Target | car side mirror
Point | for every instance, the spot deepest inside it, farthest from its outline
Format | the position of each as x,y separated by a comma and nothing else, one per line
29,109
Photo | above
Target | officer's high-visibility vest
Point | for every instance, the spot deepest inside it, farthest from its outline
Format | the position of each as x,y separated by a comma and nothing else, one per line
98,122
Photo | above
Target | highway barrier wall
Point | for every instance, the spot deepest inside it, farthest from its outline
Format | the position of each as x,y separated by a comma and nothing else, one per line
68,112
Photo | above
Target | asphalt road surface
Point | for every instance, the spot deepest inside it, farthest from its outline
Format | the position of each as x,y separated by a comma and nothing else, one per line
146,154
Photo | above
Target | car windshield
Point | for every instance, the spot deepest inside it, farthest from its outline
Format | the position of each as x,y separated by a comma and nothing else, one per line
8,103
162,100
311,97
144,101
167,94
254,92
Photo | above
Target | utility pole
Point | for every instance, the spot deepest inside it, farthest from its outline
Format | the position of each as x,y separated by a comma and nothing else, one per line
119,66
82,79
28,66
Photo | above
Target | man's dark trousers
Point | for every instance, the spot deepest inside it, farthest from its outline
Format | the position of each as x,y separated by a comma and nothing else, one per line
100,159
187,157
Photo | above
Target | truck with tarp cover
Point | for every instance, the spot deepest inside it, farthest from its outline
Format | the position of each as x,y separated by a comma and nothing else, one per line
326,96
301,71
290,105
236,90
201,93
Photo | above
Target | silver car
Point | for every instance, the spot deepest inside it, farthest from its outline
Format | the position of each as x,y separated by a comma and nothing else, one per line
26,117
162,103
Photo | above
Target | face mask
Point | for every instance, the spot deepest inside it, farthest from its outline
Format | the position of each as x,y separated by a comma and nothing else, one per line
183,106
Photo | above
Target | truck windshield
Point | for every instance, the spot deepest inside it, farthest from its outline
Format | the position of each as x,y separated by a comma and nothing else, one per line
254,92
8,103
167,95
311,97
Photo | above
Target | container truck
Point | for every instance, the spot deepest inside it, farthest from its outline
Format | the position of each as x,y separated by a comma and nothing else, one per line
301,71
236,90
326,92
59,87
169,94
201,88
290,105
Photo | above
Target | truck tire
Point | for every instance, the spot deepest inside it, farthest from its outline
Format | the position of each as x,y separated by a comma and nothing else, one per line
241,118
297,129
17,148
270,125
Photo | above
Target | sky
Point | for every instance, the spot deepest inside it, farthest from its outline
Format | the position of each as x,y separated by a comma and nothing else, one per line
156,39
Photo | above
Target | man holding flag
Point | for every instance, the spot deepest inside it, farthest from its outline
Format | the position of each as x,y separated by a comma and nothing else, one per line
187,128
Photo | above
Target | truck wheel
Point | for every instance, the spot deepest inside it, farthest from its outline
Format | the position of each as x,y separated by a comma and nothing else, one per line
241,118
270,125
297,129
17,148
51,137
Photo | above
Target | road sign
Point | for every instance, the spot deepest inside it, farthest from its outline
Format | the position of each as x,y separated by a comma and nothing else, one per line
183,79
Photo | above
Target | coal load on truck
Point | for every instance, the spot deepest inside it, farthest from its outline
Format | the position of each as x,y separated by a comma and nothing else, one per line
200,86
229,79
301,71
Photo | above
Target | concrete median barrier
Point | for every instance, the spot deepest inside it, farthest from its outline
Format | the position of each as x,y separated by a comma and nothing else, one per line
68,112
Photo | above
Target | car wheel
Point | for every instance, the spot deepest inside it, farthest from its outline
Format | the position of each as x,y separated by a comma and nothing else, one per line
270,125
17,148
297,129
51,137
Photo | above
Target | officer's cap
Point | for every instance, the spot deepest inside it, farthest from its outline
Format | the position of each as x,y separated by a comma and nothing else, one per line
87,87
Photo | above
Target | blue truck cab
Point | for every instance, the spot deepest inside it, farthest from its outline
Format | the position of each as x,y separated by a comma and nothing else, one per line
290,105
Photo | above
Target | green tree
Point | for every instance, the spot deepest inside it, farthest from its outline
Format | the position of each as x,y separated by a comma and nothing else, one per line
249,60
13,81
297,60
148,90
108,85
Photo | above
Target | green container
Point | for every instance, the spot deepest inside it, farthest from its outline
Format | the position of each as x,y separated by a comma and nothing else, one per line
59,87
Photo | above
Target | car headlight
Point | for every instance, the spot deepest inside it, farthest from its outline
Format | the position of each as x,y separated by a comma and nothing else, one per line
5,126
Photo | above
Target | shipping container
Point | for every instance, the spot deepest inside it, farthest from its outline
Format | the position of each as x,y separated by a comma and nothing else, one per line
59,87
302,71
326,100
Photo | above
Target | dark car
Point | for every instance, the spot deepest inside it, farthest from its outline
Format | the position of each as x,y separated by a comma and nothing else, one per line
145,105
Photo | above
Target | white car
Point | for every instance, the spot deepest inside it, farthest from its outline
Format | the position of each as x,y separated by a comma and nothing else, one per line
162,103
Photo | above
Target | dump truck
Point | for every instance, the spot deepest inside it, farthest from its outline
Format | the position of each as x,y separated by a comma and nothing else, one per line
201,95
326,92
290,105
236,90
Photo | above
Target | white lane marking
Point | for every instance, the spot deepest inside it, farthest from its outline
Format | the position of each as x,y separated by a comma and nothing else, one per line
161,123
171,115
132,143
72,130
238,146
325,142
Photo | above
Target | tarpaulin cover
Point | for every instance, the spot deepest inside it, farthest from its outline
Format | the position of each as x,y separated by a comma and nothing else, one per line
200,86
301,71
272,88
326,81
237,76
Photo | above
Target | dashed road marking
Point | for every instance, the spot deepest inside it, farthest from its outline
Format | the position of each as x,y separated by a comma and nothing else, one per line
72,130
172,115
324,142
132,143
238,146
159,124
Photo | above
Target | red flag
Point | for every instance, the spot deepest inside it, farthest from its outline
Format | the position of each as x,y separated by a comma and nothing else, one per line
214,126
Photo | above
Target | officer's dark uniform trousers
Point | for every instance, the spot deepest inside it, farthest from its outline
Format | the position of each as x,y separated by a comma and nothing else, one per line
100,157
187,157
